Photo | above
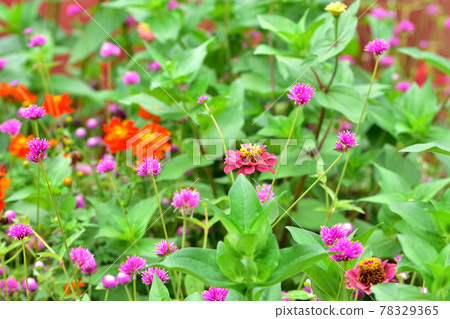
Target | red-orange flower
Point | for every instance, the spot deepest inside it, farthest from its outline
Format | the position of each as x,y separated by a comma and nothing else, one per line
4,185
148,116
19,147
117,134
2,205
153,140
69,291
57,105
17,94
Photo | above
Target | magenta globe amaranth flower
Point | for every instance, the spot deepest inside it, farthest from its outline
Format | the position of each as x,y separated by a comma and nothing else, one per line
10,215
173,5
106,165
387,60
73,9
132,265
89,267
80,256
215,294
80,132
32,284
263,191
301,93
11,127
11,284
394,41
403,86
131,77
33,112
20,231
94,141
348,58
38,264
377,46
153,66
405,26
37,40
164,249
347,250
202,99
80,201
150,166
108,49
2,63
92,123
147,275
109,282
27,30
347,227
379,13
331,235
186,200
38,150
123,278
347,140
447,23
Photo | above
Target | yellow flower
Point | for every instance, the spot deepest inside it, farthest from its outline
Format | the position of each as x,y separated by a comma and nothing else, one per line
336,8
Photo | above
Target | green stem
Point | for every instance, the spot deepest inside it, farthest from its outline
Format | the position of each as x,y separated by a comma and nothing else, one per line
183,237
128,292
309,188
227,41
413,279
161,213
356,295
27,291
123,211
106,294
206,229
36,132
179,293
342,281
60,225
283,153
134,288
90,289
4,277
336,63
249,294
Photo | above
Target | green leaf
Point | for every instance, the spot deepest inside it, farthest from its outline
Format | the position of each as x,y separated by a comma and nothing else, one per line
436,147
297,295
391,182
426,191
435,60
396,292
193,285
302,236
414,213
158,291
141,213
187,64
230,264
194,297
153,105
70,241
51,255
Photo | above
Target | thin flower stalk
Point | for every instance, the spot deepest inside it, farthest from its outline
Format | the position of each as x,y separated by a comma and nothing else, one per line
160,211
27,291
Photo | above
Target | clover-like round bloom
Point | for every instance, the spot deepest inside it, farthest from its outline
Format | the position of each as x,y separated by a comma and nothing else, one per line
147,275
72,10
38,150
10,215
89,267
369,272
2,63
39,264
347,250
150,166
403,86
186,200
33,112
106,165
331,235
123,278
347,227
263,191
131,77
248,158
165,249
80,256
301,93
347,140
108,49
215,294
377,46
336,8
11,127
37,40
202,99
154,66
405,26
20,231
11,283
32,284
109,282
132,265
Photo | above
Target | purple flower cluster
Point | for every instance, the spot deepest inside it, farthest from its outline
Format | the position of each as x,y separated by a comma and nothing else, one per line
20,231
37,40
108,49
301,93
33,112
131,77
377,46
347,140
186,200
164,249
32,284
347,250
11,127
81,256
404,26
202,99
11,284
263,191
109,282
331,235
132,265
215,294
2,63
123,278
106,165
89,267
147,275
38,150
149,167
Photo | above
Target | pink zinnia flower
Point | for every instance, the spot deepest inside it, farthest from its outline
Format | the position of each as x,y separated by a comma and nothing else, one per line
149,167
20,231
263,191
387,60
33,112
348,58
347,249
80,256
331,235
403,86
186,200
201,99
347,140
2,63
215,294
106,165
301,93
249,158
369,272
131,77
108,49
73,9
89,267
11,127
123,278
132,265
109,282
32,284
38,150
147,275
377,46
165,249
37,40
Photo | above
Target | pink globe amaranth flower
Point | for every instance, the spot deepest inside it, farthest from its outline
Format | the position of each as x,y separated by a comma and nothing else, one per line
201,99
92,123
80,256
377,46
129,20
20,231
11,283
150,166
347,249
32,284
398,257
33,112
394,41
89,267
38,150
153,66
37,40
10,215
38,264
173,5
186,200
165,249
11,127
347,227
147,275
387,60
109,282
27,30
249,158
84,169
423,44
331,235
109,49
447,23
215,294
404,275
379,13
369,272
132,265
404,26
347,140
21,112
106,165
263,191
403,86
432,9
301,93
73,9
80,201
180,231
123,278
94,141
131,77
80,132
2,63
348,58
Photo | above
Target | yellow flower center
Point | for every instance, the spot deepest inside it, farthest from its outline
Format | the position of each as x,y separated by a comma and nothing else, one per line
57,98
371,272
250,152
336,8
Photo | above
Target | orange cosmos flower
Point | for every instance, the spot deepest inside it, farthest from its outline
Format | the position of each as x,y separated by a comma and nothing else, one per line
117,134
57,105
80,285
19,147
148,116
152,140
4,185
17,94
2,205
